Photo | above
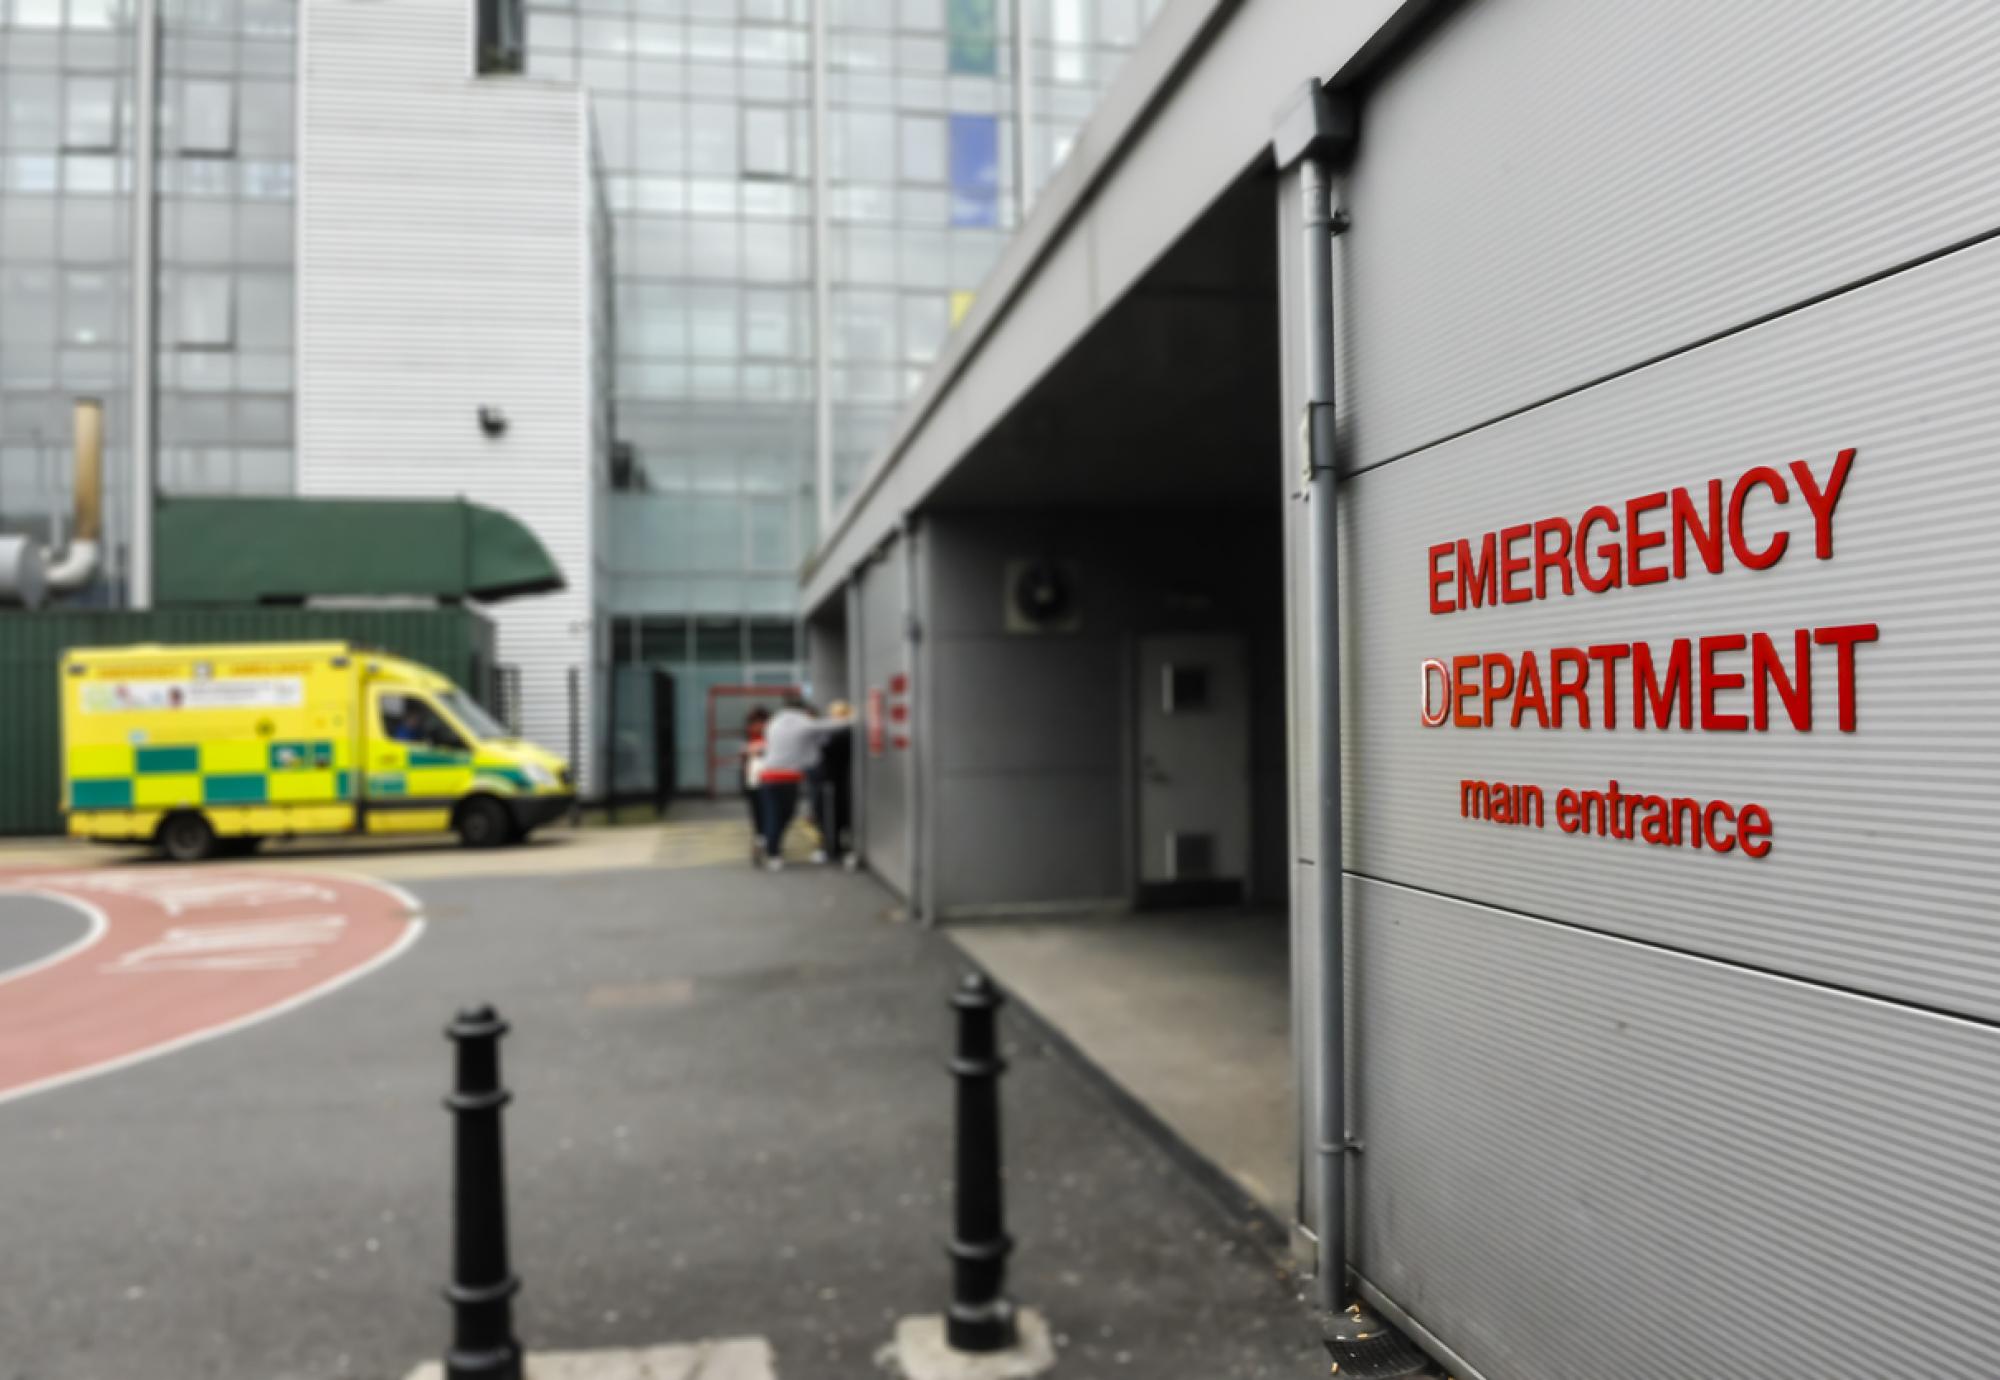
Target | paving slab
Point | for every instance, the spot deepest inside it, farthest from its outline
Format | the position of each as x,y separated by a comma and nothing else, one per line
920,1352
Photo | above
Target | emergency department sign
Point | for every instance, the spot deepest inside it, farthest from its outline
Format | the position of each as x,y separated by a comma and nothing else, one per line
1748,680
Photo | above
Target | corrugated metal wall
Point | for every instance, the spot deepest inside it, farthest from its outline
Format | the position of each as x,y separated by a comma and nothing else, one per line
456,642
882,652
1634,1110
445,265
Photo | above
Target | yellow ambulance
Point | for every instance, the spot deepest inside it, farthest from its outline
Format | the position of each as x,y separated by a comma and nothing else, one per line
210,749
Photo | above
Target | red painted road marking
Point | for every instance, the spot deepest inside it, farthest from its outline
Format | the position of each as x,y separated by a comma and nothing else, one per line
176,955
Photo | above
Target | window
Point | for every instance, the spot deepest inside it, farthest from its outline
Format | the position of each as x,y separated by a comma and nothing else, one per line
771,324
267,120
973,37
208,118
264,311
411,721
205,315
718,639
772,640
502,41
1186,689
90,308
926,319
29,102
864,146
90,114
711,140
767,142
663,639
468,712
923,148
975,170
95,14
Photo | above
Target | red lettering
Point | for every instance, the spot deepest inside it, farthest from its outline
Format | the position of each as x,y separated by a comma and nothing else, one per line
1822,503
1433,717
1483,587
1738,541
1844,639
1463,690
1637,542
1687,527
1440,578
1687,805
1767,669
1562,687
1647,692
1617,803
1569,811
1753,827
1718,840
1608,655
1614,573
1713,681
1510,566
1530,692
1556,560
1501,690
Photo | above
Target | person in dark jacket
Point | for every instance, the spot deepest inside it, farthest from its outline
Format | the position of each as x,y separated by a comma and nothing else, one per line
833,787
753,752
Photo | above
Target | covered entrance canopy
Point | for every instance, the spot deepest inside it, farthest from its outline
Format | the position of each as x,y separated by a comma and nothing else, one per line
288,550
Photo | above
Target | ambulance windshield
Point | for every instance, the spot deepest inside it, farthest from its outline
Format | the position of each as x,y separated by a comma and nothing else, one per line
466,710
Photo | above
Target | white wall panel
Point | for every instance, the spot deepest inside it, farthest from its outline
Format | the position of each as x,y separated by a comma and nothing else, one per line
1550,190
1883,872
445,263
1585,1158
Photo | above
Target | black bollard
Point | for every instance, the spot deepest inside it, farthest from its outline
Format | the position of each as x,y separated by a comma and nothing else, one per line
981,1318
482,1288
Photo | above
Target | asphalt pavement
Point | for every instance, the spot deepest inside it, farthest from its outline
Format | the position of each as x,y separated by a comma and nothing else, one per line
35,929
731,1119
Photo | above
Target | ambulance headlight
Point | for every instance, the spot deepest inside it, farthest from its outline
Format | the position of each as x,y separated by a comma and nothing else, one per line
540,775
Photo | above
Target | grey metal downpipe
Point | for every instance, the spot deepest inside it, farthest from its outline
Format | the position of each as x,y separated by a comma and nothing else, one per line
913,631
1314,136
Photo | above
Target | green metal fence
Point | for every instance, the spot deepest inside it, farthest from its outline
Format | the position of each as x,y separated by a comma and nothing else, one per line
456,641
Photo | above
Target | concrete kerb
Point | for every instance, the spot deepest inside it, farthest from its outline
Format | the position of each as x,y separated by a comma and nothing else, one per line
730,1358
1243,1207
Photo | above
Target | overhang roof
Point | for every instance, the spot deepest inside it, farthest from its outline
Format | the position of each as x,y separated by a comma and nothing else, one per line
1190,113
281,550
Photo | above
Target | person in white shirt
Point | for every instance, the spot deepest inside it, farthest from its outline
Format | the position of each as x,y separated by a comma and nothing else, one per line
791,749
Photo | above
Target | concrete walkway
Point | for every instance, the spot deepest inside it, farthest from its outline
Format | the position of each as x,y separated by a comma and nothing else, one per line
1189,1012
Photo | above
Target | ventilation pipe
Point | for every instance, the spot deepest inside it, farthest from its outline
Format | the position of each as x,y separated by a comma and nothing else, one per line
73,569
29,570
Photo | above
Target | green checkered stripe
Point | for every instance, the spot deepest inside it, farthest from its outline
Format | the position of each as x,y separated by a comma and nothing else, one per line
218,787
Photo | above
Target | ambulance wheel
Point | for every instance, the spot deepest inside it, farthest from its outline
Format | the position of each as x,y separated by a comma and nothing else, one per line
185,837
483,822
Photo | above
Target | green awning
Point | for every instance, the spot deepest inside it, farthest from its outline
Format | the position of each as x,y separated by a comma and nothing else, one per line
282,550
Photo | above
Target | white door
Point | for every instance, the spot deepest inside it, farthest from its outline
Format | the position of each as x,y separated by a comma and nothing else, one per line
1194,759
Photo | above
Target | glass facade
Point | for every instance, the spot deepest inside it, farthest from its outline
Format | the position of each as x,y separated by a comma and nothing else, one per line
709,131
709,135
225,174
